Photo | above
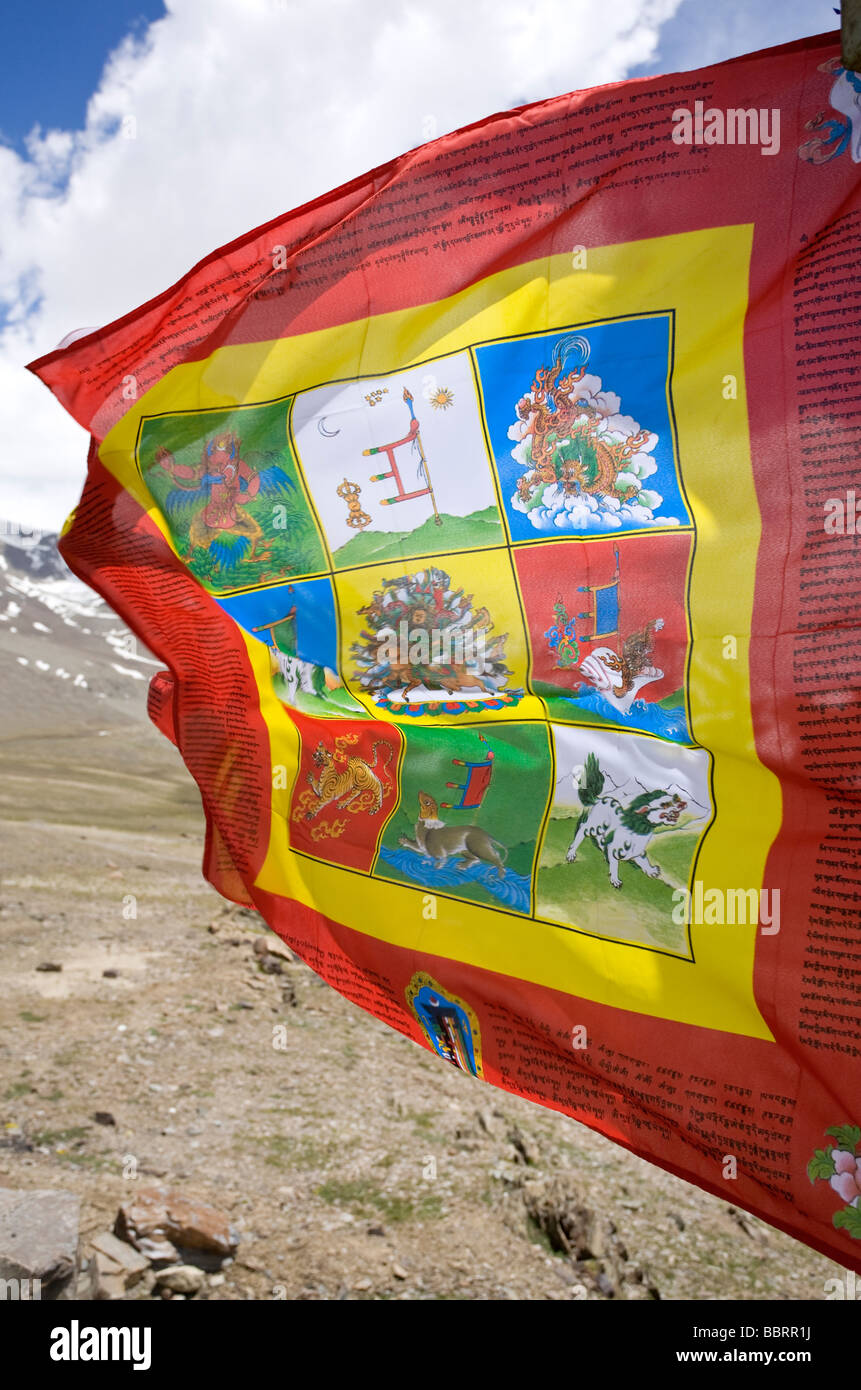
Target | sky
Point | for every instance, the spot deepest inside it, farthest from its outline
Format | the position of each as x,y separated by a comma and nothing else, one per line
136,137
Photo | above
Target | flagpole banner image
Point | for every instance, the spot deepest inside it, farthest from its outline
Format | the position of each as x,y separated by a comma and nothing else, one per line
495,518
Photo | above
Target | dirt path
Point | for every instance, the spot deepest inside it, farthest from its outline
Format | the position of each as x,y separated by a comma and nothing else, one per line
354,1163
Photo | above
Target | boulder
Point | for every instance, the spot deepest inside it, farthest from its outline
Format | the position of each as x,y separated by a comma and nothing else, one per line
571,1227
589,1239
39,1240
170,1227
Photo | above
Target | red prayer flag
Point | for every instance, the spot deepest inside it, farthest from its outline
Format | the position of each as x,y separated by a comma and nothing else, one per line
496,519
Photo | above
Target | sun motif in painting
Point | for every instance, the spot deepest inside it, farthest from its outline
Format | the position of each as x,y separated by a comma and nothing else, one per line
398,466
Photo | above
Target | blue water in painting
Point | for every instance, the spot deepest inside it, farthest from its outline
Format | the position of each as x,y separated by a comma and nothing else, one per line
513,889
650,719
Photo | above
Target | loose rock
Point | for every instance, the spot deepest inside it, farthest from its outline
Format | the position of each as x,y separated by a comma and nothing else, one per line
117,1267
39,1239
168,1227
181,1279
525,1147
572,1228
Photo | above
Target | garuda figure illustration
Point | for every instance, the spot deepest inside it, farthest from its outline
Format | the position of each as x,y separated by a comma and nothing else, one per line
834,135
217,491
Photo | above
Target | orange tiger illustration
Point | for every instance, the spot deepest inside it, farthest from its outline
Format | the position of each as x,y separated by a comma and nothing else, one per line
355,787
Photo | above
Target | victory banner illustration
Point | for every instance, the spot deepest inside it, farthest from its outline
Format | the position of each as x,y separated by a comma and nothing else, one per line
500,551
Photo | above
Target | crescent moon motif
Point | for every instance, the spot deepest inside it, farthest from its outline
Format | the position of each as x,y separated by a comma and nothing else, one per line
321,426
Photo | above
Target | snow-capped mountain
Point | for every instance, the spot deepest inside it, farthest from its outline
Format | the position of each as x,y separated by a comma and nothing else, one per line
633,787
568,794
66,660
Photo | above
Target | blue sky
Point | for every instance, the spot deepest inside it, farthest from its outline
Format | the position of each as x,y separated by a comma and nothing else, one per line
710,31
136,136
59,50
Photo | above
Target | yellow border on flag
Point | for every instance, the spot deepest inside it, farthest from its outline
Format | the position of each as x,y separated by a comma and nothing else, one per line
703,277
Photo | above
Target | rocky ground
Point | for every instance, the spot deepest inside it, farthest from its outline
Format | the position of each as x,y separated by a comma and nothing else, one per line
172,1048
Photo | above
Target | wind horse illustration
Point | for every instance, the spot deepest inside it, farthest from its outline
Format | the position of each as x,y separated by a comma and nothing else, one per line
618,673
217,491
414,439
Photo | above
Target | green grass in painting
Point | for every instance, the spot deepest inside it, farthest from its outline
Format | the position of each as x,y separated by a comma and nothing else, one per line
474,532
581,893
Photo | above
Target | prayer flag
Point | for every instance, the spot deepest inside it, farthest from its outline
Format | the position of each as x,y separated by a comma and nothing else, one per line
496,518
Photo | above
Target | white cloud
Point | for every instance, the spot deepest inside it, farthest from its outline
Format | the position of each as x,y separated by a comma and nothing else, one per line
240,110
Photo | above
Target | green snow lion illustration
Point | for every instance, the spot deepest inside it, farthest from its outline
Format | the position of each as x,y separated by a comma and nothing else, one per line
621,832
